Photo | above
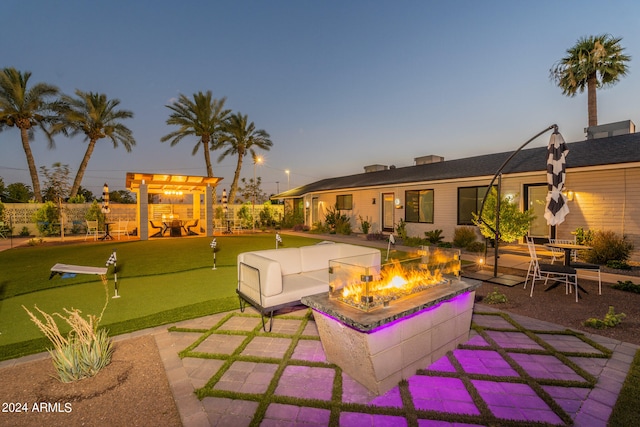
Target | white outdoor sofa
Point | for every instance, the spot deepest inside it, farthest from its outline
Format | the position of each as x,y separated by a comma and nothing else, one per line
277,278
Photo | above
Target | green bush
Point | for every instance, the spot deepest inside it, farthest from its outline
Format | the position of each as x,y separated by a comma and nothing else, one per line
95,213
618,265
464,236
365,224
434,236
476,247
46,216
610,320
401,229
627,286
496,297
607,246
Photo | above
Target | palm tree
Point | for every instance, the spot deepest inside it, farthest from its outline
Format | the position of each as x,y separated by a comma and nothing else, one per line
594,62
95,116
203,117
241,138
26,108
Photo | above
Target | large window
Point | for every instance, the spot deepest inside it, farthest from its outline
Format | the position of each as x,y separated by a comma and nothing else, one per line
419,206
469,201
344,202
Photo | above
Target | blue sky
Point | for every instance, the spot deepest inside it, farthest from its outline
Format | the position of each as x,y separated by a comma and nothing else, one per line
337,84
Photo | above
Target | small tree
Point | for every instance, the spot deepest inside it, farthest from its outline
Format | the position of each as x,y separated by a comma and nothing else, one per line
46,216
95,213
513,223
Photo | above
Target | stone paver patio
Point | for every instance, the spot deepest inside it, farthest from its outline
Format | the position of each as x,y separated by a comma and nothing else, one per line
224,370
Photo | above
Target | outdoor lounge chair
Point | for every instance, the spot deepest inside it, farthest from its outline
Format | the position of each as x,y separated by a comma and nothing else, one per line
538,271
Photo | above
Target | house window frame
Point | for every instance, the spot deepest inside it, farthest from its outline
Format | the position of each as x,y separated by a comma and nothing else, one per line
478,196
344,202
420,192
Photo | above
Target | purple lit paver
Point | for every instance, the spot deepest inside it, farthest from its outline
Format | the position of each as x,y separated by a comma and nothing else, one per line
306,382
441,394
354,392
247,377
477,340
442,365
545,366
310,350
484,362
278,415
513,340
569,398
356,419
515,401
391,398
569,343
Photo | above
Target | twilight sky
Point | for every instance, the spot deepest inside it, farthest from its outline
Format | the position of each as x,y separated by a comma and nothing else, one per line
337,84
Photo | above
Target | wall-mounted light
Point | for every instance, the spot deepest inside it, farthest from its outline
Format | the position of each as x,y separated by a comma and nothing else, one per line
373,201
570,195
307,203
398,204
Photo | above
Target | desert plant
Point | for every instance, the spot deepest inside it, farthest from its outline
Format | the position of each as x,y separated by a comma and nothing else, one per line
610,320
513,223
434,236
365,224
24,232
496,297
401,229
627,286
583,237
464,236
85,350
606,246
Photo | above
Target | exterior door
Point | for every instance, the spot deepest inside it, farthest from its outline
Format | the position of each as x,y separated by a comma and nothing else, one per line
387,211
536,196
314,210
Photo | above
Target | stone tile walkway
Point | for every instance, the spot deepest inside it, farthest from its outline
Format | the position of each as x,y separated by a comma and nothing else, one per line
511,368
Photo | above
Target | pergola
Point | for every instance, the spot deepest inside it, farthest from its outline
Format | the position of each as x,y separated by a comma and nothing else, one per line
144,184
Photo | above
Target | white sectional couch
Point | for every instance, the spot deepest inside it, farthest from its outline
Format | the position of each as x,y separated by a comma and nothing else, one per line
277,278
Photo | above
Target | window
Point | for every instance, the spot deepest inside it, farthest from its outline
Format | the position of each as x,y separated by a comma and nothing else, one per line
469,201
419,206
344,202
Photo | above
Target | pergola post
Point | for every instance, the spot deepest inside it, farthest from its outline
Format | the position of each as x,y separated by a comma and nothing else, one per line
208,210
143,212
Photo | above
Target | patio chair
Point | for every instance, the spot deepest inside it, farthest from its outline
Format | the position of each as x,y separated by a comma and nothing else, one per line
161,229
556,253
574,253
92,229
538,271
190,232
123,228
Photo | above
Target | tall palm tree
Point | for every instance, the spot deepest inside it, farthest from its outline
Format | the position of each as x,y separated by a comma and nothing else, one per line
241,138
203,117
26,108
95,116
593,62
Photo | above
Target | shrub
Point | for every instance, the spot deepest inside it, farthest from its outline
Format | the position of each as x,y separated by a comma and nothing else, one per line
606,246
434,236
627,286
46,216
496,297
401,229
464,236
583,237
95,213
475,247
365,224
610,320
445,245
513,223
24,232
618,265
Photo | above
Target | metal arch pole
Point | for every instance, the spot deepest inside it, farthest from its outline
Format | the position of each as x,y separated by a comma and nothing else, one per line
493,180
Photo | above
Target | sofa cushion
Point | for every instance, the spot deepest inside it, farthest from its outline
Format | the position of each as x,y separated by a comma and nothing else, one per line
270,274
316,257
294,287
289,259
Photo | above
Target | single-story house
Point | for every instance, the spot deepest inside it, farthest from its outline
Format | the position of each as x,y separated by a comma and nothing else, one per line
602,184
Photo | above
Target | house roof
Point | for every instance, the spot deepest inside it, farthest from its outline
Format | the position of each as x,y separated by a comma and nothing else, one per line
588,153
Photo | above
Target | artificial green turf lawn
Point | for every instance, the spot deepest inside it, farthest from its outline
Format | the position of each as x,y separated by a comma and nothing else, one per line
159,281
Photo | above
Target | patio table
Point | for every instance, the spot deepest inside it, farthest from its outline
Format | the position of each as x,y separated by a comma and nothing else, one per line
567,248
